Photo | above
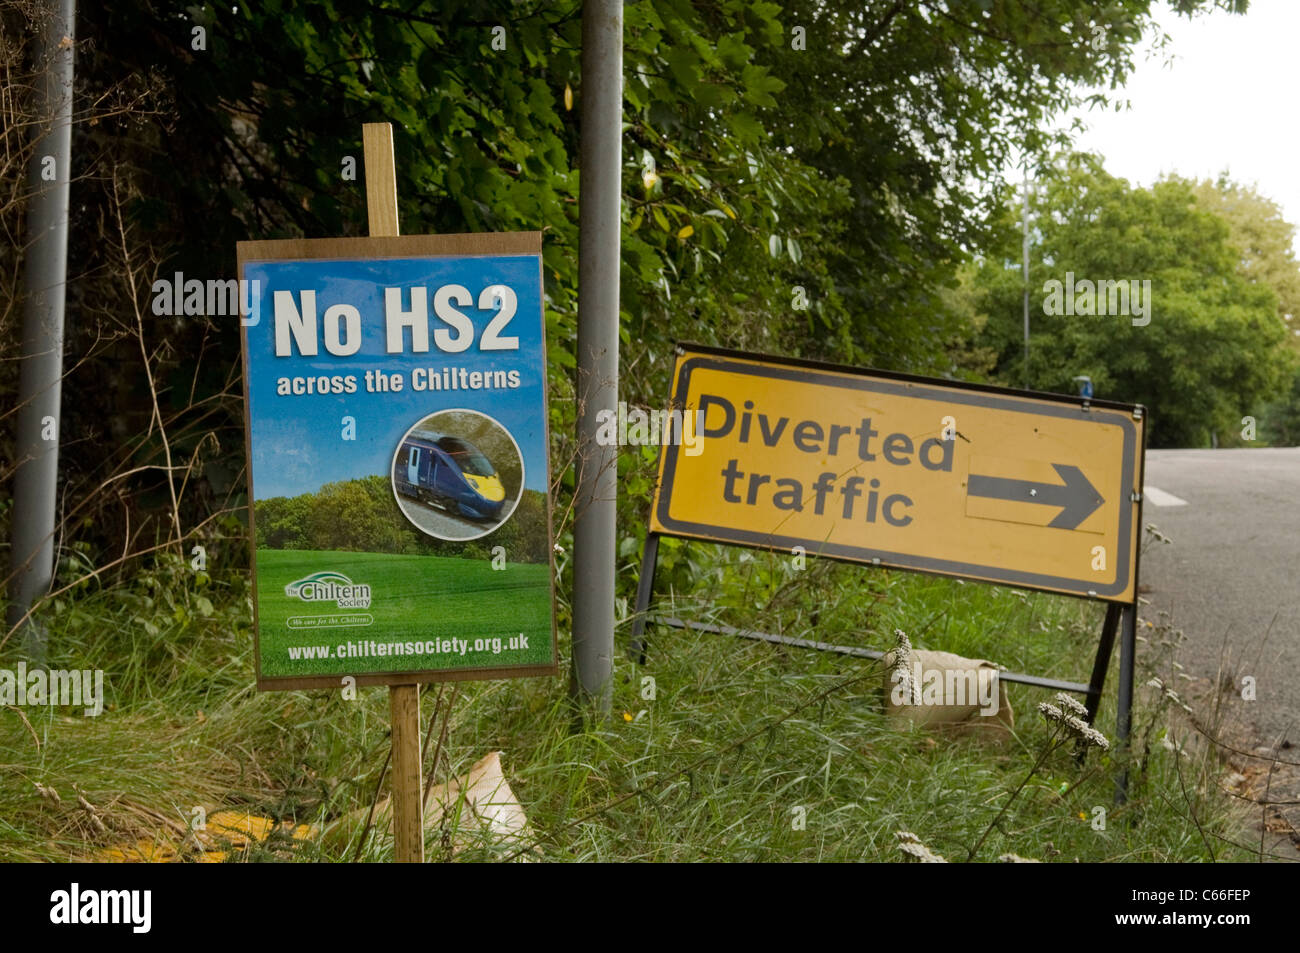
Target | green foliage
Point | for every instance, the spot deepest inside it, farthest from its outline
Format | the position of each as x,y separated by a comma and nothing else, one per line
1279,422
918,108
782,199
1213,350
361,516
1263,239
352,515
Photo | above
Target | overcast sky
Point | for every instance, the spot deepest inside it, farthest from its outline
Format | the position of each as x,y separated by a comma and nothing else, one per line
1229,100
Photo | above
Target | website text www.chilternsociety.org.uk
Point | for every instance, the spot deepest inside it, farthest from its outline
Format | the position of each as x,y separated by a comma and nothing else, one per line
368,648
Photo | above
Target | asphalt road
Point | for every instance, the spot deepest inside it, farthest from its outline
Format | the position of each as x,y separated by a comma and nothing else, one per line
439,522
1230,579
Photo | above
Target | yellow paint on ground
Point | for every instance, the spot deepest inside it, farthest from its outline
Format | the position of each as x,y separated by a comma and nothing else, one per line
225,832
141,852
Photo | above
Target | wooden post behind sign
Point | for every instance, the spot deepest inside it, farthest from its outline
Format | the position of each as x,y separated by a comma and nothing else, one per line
403,700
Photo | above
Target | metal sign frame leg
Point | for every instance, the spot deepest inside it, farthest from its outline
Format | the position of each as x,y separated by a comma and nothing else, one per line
1124,707
1102,663
644,590
1100,666
1122,618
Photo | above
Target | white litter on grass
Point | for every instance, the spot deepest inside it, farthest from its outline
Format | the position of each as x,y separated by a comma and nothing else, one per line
480,802
1161,498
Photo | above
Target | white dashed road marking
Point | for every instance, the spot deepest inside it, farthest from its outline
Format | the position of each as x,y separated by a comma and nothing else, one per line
1161,498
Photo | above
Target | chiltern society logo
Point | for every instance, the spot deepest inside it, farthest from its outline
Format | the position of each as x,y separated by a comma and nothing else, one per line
324,586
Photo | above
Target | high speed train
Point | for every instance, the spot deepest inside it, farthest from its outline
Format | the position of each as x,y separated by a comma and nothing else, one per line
449,472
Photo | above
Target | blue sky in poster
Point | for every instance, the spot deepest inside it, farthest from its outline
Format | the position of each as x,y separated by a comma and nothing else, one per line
297,443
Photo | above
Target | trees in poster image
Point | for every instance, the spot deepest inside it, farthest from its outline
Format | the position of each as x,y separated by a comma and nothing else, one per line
362,516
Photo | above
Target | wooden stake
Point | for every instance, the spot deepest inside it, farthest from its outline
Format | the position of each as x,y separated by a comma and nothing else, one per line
381,179
405,781
403,700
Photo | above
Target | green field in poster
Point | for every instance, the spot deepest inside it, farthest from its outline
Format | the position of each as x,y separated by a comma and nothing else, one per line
474,615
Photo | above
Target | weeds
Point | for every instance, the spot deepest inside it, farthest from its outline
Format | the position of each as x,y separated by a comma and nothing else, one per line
713,760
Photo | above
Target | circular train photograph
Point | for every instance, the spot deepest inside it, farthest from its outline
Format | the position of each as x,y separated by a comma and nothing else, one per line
457,475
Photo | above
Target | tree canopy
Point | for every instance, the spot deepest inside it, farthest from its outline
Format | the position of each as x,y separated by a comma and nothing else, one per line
1262,237
799,178
1209,350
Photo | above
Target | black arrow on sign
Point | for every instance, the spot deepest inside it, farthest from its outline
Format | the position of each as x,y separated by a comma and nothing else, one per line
1078,498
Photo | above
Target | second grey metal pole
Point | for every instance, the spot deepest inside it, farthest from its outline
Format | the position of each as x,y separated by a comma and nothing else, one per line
1025,274
599,223
36,448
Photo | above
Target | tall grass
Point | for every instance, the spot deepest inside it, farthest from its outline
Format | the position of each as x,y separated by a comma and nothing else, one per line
720,748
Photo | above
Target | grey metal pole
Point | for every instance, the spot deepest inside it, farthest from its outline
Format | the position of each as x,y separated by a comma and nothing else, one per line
41,357
1025,273
598,266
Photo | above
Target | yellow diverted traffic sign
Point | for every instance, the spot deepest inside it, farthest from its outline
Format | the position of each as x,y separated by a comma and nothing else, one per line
1003,486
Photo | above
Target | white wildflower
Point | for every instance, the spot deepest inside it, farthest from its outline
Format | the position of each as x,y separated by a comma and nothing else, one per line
914,851
900,671
1069,704
1074,725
